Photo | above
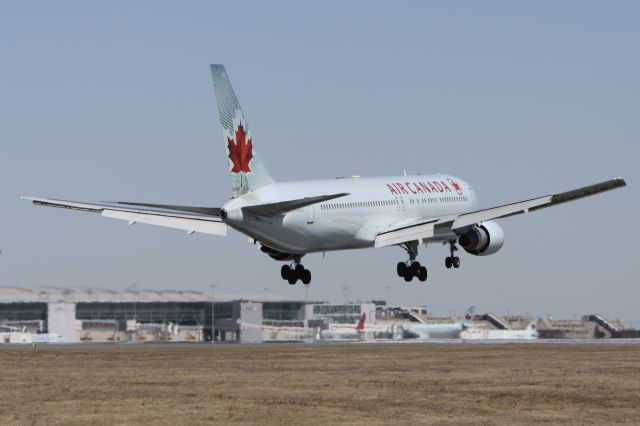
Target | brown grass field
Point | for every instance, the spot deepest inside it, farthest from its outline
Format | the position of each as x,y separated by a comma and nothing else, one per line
321,384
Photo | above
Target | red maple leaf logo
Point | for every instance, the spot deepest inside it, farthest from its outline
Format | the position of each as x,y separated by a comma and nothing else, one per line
468,317
240,151
455,185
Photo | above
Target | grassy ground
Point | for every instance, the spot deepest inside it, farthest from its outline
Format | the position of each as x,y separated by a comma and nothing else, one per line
312,384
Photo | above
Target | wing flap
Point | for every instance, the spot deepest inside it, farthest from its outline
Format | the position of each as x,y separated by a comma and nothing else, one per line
191,222
188,224
468,219
209,211
411,232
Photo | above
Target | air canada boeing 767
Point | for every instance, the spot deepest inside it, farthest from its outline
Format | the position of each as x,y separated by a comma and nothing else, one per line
290,219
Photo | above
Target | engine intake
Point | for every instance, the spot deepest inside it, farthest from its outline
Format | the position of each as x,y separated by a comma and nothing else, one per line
484,239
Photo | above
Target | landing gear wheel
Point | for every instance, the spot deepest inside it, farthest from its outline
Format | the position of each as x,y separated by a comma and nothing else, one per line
452,260
285,271
422,274
294,272
410,268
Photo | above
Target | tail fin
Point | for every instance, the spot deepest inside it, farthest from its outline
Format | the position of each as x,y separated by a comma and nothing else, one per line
248,173
360,326
533,325
468,315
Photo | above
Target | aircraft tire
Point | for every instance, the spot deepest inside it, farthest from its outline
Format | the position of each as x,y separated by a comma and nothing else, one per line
422,274
292,278
285,271
415,268
456,262
401,268
306,277
408,275
448,261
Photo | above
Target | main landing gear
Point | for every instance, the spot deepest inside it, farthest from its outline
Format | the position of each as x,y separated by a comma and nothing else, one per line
411,268
452,260
294,272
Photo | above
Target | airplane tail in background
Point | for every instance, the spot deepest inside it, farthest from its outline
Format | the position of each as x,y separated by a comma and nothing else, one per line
533,326
248,173
468,316
360,326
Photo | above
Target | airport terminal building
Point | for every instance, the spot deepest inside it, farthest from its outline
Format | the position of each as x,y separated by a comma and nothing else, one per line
97,315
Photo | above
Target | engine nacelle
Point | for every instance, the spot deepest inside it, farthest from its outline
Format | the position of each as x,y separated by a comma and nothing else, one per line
481,240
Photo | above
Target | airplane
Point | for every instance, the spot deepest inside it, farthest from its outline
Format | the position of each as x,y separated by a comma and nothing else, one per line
332,332
438,331
530,332
288,220
344,333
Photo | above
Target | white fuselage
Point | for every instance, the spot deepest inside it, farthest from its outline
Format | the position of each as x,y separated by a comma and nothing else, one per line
433,331
352,221
479,333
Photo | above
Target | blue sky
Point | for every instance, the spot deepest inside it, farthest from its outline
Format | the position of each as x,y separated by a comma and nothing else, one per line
115,101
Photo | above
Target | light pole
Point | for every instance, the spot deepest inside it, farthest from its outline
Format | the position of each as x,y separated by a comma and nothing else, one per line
346,293
133,289
213,312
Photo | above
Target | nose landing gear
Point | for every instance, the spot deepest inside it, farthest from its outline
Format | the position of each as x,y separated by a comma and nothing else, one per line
294,272
411,268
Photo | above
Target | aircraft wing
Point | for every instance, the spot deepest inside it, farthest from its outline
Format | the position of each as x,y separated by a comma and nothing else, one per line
426,228
192,220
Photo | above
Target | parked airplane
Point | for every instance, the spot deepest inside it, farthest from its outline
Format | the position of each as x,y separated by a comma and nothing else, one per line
531,332
288,220
332,332
344,333
438,331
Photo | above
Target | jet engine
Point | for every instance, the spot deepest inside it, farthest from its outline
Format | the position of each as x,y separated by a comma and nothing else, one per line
481,240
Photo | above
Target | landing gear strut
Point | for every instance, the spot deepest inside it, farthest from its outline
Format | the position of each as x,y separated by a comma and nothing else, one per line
294,272
411,268
452,260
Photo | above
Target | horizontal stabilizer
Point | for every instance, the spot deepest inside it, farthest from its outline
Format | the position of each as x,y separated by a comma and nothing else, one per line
282,207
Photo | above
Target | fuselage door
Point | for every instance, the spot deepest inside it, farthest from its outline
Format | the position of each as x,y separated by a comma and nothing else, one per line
311,214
